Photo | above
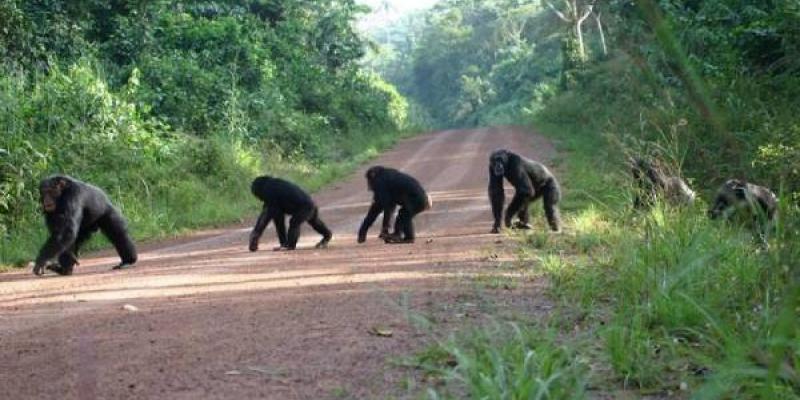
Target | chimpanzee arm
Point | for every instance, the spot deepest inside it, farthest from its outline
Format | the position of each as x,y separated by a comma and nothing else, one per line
497,197
62,236
523,192
372,214
267,214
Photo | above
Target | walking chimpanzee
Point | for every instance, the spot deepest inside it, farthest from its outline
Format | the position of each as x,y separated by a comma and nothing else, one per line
747,203
531,180
283,198
73,211
653,182
392,188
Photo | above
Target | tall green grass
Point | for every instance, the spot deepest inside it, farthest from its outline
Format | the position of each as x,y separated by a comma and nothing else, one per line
505,362
659,302
679,302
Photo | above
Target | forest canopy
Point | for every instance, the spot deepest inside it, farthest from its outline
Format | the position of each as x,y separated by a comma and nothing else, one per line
723,75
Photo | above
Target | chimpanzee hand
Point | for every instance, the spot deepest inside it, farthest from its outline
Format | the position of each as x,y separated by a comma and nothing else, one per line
362,237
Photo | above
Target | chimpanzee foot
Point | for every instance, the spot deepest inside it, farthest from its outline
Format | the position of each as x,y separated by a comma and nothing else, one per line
522,225
57,268
397,239
38,270
282,248
323,244
124,265
495,229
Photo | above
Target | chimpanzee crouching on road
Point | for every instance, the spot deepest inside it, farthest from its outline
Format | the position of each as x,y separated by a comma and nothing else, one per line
531,180
283,198
73,211
392,188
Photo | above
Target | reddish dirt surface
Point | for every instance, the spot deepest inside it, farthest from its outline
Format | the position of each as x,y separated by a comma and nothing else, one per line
216,321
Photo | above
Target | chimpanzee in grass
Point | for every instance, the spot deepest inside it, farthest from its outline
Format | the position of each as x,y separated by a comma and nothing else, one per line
283,198
531,180
752,205
652,182
73,211
392,188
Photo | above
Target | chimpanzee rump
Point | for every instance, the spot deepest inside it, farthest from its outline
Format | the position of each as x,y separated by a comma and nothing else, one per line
652,182
73,211
531,180
283,198
753,204
392,188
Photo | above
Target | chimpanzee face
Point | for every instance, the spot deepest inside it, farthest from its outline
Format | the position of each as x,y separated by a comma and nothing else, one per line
372,173
731,194
498,163
50,191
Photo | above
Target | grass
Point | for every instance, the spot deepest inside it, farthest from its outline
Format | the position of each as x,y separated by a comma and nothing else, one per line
504,362
657,302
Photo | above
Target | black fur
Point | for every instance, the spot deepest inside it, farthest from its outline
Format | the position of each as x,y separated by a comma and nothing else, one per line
531,181
756,204
283,198
653,182
392,188
73,211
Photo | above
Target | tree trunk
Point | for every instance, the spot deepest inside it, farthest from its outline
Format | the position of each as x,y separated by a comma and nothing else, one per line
602,34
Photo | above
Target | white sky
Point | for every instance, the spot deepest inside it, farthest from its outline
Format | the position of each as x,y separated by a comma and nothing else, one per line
397,8
401,5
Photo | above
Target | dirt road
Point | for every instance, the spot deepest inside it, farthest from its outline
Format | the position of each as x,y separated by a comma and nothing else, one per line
216,321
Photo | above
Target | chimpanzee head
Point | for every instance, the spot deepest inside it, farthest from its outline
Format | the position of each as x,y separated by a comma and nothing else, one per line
372,174
50,190
730,195
498,162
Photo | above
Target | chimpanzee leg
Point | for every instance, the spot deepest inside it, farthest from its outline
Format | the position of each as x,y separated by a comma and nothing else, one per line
520,201
280,228
552,195
294,226
387,221
523,215
320,227
404,225
114,227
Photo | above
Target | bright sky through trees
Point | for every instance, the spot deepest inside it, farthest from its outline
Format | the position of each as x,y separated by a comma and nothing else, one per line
387,11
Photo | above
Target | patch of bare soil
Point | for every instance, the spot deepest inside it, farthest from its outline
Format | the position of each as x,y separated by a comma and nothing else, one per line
205,318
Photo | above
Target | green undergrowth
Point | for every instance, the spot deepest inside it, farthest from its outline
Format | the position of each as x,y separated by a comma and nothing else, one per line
660,302
170,206
503,361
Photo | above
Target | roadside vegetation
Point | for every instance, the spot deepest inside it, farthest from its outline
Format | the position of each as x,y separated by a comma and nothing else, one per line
173,107
660,302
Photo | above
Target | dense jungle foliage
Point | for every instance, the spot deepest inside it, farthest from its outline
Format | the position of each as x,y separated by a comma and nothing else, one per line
174,106
657,303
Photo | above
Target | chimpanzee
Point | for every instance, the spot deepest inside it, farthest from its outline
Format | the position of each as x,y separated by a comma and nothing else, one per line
392,188
280,198
531,180
755,205
73,211
652,182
